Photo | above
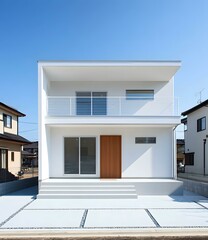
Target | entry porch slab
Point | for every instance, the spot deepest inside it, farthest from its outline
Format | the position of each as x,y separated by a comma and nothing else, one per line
107,188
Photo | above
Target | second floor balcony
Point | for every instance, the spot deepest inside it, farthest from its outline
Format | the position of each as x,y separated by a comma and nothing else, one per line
112,106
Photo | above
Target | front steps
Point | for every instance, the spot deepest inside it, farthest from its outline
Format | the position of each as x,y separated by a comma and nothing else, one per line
86,190
57,188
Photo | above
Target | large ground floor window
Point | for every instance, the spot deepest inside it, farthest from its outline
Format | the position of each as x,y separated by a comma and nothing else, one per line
80,155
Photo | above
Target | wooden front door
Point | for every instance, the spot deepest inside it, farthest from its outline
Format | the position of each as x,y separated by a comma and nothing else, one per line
110,156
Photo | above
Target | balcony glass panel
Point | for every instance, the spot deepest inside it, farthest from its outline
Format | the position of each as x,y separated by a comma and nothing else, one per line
99,104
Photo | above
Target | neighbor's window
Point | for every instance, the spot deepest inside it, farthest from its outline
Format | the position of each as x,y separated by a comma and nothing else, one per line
143,140
139,94
201,124
12,156
7,121
189,158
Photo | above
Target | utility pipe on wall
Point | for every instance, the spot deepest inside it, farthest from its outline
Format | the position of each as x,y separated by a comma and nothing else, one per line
204,150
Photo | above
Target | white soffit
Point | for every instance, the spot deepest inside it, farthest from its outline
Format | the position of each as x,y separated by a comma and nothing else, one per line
110,71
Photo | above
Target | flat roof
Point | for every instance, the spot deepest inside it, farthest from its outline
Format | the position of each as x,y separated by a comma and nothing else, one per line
109,70
110,63
193,109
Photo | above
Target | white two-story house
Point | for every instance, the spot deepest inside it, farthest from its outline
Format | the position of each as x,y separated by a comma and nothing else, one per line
107,123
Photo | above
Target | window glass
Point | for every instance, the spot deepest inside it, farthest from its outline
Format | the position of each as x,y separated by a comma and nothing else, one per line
99,103
83,101
91,103
71,155
87,155
80,155
189,158
143,140
7,121
139,94
201,124
12,156
3,158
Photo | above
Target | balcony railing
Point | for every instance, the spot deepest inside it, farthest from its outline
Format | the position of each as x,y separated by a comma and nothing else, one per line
61,106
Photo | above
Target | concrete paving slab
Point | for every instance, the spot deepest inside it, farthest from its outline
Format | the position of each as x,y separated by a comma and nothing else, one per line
9,206
118,218
142,202
46,219
181,217
43,214
204,203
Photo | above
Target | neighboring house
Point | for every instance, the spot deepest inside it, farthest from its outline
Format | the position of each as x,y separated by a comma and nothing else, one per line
10,142
30,155
107,120
196,136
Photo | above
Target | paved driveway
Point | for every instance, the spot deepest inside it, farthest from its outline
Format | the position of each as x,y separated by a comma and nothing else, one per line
20,210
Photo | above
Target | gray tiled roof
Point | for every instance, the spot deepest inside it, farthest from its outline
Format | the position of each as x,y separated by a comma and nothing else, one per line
13,138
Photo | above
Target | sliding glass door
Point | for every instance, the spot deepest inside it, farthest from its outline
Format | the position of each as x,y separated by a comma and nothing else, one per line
80,155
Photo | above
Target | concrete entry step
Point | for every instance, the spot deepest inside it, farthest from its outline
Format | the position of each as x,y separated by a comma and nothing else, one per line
95,191
131,187
98,188
90,189
87,196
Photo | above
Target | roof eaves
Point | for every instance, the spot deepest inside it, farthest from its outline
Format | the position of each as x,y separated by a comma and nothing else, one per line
203,104
13,138
184,120
20,114
154,63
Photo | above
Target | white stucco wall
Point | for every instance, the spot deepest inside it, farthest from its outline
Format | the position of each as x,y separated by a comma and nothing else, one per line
44,131
138,160
14,127
194,141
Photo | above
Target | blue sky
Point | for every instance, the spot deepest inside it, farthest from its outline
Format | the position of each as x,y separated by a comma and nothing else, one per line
32,30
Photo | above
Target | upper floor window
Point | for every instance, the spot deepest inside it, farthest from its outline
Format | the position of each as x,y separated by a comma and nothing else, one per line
139,94
91,103
201,124
7,120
